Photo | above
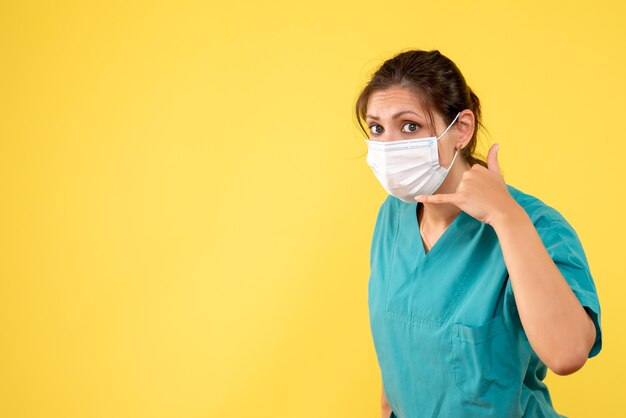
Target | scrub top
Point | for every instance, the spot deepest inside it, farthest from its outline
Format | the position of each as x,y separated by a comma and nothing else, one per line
445,326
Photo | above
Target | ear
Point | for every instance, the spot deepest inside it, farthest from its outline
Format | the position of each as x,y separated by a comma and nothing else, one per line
465,128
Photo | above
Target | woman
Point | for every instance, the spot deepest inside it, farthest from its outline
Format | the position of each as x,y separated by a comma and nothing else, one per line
476,288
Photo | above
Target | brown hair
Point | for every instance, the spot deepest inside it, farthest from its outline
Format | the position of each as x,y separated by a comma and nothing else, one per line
438,83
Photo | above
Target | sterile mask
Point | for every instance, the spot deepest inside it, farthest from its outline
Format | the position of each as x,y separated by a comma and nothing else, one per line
410,167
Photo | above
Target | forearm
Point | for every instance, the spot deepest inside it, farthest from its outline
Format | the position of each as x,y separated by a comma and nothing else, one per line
558,328
385,409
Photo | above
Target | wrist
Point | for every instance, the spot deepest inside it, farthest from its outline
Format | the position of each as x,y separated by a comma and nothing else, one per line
508,216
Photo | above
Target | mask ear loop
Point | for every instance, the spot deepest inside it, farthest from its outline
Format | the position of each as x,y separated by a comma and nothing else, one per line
444,132
449,126
453,158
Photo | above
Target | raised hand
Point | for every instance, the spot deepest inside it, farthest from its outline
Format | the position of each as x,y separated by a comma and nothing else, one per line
482,192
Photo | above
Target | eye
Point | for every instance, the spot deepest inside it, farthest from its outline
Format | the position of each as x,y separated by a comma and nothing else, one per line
374,129
410,127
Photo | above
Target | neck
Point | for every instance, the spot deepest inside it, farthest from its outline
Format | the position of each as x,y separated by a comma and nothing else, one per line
441,215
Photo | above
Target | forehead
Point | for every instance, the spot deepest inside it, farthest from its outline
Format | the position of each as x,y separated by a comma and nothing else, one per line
392,99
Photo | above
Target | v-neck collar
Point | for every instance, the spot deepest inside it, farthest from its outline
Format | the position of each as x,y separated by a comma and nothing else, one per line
445,240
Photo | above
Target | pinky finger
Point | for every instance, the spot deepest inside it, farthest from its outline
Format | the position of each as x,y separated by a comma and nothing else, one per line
436,198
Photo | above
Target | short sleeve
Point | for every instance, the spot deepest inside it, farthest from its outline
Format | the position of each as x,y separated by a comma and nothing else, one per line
566,250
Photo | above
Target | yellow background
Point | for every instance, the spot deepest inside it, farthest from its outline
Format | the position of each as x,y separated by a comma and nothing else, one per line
187,212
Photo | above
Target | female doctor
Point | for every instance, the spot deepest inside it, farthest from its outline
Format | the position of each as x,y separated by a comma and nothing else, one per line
476,288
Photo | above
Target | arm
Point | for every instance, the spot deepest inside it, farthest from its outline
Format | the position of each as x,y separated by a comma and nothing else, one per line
385,408
558,327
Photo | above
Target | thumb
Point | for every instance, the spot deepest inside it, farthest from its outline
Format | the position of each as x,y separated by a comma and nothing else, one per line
492,159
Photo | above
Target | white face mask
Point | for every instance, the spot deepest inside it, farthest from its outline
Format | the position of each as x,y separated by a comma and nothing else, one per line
409,167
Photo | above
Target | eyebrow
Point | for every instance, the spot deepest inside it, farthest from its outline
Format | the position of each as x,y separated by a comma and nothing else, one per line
397,115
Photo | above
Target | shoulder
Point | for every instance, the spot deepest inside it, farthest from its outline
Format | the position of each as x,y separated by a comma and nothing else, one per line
388,216
539,212
388,208
385,229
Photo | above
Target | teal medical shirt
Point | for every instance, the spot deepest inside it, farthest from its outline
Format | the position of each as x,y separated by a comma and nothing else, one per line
445,326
